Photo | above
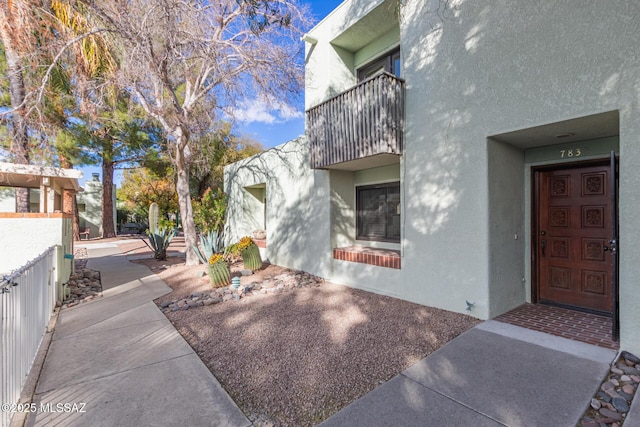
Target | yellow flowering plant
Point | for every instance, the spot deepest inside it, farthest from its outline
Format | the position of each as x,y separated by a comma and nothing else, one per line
219,274
244,243
215,258
250,253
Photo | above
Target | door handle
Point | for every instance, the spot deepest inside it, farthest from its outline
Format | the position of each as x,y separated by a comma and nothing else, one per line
543,245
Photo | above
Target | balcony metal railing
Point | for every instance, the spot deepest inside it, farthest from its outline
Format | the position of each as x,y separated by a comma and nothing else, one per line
363,121
27,300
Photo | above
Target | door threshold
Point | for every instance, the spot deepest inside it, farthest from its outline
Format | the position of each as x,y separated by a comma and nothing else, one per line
576,308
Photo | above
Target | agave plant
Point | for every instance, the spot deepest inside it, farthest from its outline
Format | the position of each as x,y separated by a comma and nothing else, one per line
211,243
159,238
160,241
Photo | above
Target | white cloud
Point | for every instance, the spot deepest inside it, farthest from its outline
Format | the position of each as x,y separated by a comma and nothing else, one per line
261,111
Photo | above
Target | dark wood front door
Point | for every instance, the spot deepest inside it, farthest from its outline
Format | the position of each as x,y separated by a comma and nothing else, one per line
573,228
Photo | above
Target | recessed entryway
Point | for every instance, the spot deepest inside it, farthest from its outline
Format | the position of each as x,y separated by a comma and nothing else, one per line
564,259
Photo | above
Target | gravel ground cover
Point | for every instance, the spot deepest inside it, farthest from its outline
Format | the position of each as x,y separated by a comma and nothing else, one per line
296,357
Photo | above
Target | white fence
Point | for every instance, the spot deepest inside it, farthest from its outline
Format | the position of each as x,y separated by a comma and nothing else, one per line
27,299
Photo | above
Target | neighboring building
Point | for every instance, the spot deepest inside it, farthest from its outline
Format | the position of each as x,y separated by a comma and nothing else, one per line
90,207
28,235
462,153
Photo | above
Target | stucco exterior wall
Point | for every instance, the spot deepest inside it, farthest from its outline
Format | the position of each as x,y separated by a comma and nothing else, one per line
476,74
487,68
297,206
330,67
32,234
90,207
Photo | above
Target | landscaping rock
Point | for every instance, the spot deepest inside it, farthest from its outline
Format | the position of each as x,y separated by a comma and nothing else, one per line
628,369
613,399
610,414
630,357
84,284
620,404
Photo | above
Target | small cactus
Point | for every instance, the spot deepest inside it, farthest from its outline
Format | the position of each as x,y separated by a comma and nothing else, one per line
154,214
219,274
250,254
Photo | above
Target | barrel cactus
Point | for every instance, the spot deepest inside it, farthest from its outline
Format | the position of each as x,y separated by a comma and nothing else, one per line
250,254
219,274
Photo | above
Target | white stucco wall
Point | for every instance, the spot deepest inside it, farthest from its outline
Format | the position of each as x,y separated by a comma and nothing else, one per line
331,67
493,67
31,236
297,204
91,200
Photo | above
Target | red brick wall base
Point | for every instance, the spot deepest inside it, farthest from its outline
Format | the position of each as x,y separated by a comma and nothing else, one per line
364,255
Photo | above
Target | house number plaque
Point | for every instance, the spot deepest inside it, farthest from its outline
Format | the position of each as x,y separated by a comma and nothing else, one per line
570,153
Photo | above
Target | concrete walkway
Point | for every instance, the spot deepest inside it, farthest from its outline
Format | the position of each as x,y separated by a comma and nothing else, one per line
492,375
121,362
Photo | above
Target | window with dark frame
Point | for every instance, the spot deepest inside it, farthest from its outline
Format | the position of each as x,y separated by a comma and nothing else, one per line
389,62
378,212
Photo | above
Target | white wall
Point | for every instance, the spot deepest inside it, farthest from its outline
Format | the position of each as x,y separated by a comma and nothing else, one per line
330,67
31,236
91,198
489,68
297,200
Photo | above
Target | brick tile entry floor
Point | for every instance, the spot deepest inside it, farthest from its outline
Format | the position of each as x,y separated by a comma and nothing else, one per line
575,325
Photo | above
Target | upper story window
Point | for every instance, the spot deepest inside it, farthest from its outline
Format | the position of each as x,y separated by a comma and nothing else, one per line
390,63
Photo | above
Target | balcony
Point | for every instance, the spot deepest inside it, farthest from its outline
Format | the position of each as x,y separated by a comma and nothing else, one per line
362,122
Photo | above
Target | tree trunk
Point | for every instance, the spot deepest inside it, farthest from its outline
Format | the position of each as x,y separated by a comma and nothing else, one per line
108,230
184,200
20,138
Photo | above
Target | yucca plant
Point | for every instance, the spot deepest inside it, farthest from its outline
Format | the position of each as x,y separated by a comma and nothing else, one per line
210,243
250,254
219,274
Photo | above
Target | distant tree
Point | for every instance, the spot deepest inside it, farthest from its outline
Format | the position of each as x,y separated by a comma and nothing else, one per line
210,212
182,60
115,136
142,186
212,152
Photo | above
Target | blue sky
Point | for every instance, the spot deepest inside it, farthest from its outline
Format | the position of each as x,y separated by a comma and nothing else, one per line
270,127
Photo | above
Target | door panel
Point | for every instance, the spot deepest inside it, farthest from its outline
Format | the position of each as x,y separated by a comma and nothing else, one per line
574,228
